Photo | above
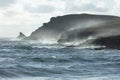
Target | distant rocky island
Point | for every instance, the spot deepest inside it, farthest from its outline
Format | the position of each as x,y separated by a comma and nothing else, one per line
95,29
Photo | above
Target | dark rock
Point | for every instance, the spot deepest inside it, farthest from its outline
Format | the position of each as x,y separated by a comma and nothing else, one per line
58,25
111,42
21,36
109,28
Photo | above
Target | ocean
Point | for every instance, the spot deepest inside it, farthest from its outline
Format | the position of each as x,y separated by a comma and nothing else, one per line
33,60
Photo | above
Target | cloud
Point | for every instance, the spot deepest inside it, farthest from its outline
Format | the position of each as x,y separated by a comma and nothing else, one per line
6,3
116,8
10,13
87,6
28,15
40,9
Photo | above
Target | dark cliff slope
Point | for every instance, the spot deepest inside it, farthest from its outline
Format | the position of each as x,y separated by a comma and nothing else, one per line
107,35
58,25
111,42
110,28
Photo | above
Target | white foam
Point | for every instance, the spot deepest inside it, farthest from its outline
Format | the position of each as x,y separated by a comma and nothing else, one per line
103,78
65,78
6,59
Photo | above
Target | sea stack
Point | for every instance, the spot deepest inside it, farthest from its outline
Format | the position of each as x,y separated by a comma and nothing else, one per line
21,36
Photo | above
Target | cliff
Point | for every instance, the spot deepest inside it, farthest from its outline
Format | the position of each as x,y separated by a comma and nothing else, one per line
100,30
58,25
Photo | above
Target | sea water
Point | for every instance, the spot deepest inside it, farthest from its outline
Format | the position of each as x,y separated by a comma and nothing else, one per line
32,60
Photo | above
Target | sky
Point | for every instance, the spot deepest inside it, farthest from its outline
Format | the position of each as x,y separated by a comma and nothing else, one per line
28,15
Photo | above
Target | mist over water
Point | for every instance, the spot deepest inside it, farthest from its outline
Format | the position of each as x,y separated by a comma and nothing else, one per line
31,60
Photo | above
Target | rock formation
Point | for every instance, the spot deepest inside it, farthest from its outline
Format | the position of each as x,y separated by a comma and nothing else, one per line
110,42
21,36
110,28
100,30
59,25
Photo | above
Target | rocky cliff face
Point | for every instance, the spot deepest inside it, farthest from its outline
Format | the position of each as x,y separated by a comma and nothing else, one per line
59,25
110,42
100,30
107,35
110,28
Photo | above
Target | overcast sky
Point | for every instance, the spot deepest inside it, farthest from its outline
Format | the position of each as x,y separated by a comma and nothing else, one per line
27,15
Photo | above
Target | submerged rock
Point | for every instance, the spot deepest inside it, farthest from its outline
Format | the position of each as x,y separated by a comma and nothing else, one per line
21,36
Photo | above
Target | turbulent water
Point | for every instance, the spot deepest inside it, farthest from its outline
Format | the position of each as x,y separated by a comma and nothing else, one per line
29,60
